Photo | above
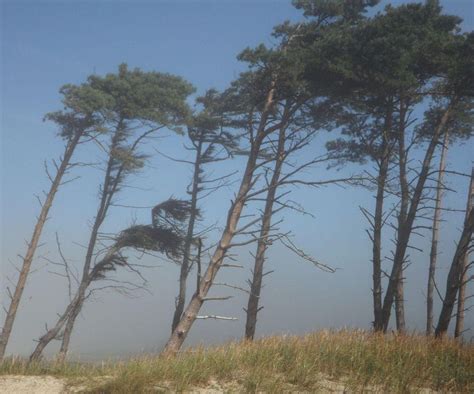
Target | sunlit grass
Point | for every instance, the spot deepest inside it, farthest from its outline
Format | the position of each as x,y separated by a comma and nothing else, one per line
353,359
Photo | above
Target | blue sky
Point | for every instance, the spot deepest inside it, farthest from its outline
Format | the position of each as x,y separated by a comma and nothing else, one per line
47,44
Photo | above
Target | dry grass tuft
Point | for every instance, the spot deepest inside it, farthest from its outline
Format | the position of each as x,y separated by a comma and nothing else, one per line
348,359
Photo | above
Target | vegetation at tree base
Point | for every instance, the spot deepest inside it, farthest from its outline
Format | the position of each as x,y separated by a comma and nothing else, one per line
395,89
324,360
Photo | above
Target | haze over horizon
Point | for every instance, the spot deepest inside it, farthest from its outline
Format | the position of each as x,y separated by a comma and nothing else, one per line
50,43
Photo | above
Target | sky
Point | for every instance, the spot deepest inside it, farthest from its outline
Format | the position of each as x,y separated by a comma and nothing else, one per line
46,44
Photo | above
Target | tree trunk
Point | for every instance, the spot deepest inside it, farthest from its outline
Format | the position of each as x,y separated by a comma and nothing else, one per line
108,190
407,227
402,216
256,285
399,304
52,333
180,333
464,267
68,328
377,245
33,245
68,318
435,237
454,276
183,275
378,224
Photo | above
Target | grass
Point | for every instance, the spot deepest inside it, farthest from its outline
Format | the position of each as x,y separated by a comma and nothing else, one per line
353,359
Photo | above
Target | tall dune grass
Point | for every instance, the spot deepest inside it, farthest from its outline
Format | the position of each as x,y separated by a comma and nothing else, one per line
353,360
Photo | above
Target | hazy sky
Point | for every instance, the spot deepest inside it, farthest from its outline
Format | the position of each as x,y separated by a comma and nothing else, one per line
47,44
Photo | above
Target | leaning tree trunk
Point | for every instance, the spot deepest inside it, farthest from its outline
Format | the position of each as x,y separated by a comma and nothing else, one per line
112,181
407,227
454,276
108,190
68,318
435,237
256,284
184,271
402,216
459,329
190,314
33,244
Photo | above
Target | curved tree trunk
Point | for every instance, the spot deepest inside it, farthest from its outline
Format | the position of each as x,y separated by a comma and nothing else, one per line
33,244
435,236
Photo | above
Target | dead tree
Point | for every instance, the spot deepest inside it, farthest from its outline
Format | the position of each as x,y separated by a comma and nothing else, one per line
459,329
76,127
435,236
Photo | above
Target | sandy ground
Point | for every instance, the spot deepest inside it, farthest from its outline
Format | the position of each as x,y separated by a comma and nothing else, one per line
12,384
16,384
